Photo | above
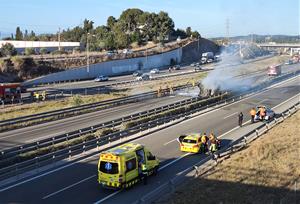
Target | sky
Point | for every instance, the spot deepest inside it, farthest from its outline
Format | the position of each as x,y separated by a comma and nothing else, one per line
266,17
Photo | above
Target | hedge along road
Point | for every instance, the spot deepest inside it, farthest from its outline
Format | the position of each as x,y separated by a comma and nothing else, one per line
77,182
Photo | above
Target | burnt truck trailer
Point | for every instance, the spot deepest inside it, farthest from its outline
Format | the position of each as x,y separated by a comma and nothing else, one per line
10,92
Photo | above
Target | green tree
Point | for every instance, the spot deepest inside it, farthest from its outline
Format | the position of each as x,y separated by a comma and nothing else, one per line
29,51
32,36
196,35
19,34
165,25
121,38
130,18
188,31
111,22
8,50
26,35
87,25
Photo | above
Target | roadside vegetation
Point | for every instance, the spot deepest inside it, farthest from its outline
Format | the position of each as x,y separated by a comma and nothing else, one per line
76,100
267,171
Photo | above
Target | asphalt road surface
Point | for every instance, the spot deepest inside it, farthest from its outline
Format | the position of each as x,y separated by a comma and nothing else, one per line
77,183
46,130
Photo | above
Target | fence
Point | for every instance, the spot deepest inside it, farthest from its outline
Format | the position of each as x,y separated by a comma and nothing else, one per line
210,162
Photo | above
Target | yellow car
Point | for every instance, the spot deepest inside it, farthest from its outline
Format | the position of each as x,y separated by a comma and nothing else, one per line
191,143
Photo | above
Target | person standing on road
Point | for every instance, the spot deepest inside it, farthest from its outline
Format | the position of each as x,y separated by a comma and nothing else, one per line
144,173
241,117
252,113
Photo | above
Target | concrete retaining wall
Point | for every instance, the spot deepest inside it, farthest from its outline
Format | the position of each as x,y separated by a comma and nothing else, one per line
111,68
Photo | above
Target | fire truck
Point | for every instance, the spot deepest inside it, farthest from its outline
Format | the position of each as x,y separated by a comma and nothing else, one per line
10,92
274,70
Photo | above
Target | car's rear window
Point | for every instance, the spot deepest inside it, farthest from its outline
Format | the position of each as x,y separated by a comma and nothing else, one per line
189,141
109,167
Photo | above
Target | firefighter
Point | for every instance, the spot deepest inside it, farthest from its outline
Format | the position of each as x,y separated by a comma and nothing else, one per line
241,117
212,136
252,113
204,140
262,113
44,95
144,173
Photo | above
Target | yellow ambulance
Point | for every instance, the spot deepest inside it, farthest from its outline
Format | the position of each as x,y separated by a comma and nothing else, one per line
121,166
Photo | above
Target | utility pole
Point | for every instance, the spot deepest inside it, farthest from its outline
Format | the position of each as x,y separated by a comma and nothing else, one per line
59,48
87,54
227,30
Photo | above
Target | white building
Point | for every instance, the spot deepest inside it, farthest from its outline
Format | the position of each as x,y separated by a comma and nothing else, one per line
37,45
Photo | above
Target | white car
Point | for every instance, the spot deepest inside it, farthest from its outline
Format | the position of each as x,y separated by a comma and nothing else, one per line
270,114
127,51
154,71
143,77
101,78
209,61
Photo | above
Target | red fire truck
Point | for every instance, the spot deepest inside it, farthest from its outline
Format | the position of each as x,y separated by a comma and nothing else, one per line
274,70
10,92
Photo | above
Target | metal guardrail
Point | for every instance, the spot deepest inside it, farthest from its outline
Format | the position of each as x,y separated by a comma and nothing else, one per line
85,108
77,133
209,162
97,142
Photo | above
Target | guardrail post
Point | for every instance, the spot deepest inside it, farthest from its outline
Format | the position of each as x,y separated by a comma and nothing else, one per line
196,171
256,132
267,126
83,147
245,140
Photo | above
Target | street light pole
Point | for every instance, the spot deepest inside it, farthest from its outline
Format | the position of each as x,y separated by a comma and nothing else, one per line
87,54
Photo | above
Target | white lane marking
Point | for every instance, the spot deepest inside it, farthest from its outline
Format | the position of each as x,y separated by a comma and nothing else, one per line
230,115
170,142
71,164
107,197
172,162
262,101
233,129
68,187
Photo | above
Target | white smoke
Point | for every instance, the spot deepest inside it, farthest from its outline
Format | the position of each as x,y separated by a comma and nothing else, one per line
226,75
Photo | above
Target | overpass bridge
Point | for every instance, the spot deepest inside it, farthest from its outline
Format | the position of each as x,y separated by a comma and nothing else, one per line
285,47
279,45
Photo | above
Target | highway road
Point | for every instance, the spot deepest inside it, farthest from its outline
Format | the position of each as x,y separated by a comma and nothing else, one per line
77,182
46,130
112,80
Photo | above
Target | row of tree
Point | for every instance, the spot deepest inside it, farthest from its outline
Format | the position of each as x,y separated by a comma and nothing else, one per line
133,26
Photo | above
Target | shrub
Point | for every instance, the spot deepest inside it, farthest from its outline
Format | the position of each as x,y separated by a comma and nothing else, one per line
43,51
77,100
29,51
8,50
18,62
